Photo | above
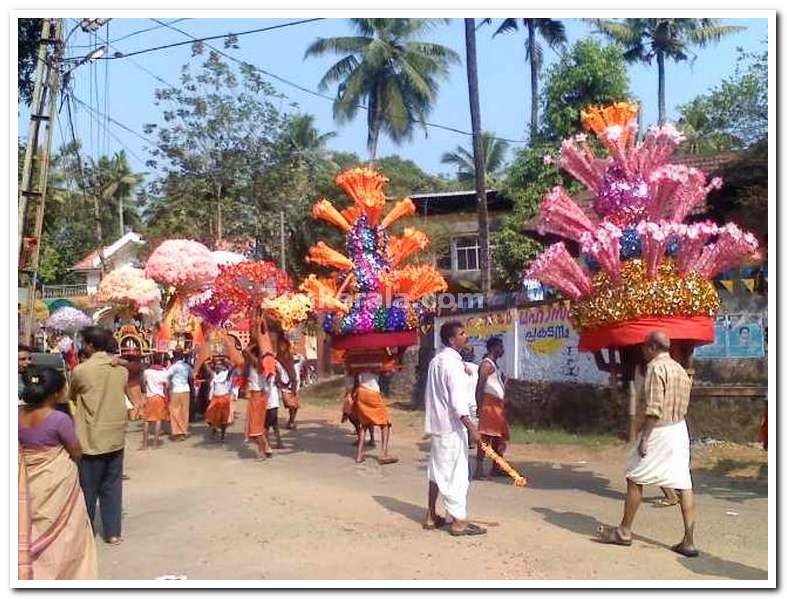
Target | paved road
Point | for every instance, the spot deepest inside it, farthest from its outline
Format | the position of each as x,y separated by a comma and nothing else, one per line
211,511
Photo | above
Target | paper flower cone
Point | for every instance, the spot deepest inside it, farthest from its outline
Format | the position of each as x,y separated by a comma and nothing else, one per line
600,119
326,211
323,295
324,255
557,268
692,194
408,244
664,182
414,282
659,144
691,242
604,246
654,238
402,208
732,248
365,187
351,214
582,165
560,215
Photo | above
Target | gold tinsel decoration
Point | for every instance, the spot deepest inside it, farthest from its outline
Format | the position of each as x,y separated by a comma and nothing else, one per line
668,294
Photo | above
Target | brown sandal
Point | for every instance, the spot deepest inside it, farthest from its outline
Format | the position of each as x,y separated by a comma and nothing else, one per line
611,536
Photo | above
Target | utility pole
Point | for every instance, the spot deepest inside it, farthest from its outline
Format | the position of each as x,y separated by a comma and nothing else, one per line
282,251
43,110
478,157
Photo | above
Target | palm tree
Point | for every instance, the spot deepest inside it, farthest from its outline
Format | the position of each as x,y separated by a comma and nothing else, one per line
117,182
478,154
553,33
305,139
494,158
702,137
386,69
644,39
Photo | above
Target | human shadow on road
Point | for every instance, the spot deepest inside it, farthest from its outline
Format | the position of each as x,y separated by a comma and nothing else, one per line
544,477
728,489
706,564
413,512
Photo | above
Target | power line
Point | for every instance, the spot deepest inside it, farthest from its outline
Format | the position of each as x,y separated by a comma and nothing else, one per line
325,96
204,39
133,33
123,145
112,120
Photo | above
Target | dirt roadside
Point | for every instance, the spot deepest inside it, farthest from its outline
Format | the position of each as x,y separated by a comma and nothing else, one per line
212,511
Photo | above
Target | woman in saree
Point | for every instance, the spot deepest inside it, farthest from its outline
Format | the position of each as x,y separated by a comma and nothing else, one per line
61,545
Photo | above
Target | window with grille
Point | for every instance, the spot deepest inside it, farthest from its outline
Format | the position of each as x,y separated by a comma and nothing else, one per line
467,253
444,259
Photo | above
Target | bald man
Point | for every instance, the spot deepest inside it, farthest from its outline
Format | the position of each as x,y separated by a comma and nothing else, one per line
660,455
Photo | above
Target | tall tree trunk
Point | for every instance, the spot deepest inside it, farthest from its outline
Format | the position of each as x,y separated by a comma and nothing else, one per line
531,47
99,232
373,123
478,154
120,216
662,94
219,230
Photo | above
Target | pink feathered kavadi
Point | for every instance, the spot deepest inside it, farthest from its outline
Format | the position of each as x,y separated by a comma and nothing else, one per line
187,267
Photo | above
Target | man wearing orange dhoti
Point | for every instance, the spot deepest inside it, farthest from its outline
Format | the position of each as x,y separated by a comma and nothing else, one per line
260,382
370,410
180,383
490,397
155,410
218,413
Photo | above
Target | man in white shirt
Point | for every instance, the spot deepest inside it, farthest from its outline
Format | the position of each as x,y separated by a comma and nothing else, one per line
448,399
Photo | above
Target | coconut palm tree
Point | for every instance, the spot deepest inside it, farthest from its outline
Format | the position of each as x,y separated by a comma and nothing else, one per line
553,33
117,182
494,158
387,70
304,135
662,39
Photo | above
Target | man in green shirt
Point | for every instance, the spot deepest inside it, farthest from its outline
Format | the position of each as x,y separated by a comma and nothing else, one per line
98,395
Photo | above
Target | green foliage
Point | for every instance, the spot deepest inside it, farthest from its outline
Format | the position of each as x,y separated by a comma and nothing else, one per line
494,158
387,69
222,135
588,74
663,39
732,115
529,178
69,231
29,33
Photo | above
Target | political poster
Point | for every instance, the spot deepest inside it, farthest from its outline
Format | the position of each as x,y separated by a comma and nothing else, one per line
745,337
548,347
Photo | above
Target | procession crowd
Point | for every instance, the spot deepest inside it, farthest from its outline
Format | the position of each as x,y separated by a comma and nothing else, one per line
72,434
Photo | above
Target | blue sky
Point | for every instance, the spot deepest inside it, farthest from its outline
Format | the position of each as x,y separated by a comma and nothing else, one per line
124,88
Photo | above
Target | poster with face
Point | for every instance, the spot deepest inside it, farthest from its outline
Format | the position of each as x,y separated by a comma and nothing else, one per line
745,336
548,347
738,335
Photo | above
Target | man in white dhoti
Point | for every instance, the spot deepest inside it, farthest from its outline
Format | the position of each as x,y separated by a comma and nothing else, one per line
661,454
448,399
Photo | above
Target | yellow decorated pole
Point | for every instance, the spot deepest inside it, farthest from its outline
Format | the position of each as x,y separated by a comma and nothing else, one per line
519,480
